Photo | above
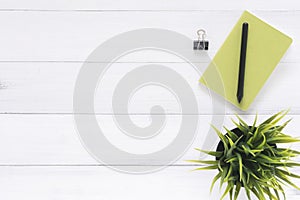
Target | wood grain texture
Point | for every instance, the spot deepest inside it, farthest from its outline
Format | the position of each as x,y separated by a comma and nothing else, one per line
72,36
44,44
49,87
101,183
53,139
149,5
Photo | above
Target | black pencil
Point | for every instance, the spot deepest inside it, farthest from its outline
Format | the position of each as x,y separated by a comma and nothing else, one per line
240,90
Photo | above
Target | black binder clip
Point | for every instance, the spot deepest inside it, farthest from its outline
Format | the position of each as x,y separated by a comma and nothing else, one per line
201,43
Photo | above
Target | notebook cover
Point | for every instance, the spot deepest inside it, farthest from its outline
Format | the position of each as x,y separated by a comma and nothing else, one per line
266,47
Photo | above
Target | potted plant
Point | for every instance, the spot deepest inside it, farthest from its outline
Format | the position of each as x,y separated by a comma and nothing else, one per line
251,157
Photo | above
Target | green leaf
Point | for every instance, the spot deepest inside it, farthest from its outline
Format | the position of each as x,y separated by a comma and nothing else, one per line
231,143
209,162
229,173
222,138
268,192
254,124
242,122
224,174
231,134
207,168
215,180
232,159
248,193
228,188
285,179
247,150
231,194
277,194
269,120
258,188
280,128
212,153
251,173
280,116
257,194
240,165
237,190
282,139
289,173
243,129
263,143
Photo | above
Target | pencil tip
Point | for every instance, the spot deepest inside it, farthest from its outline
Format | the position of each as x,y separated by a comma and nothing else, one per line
240,97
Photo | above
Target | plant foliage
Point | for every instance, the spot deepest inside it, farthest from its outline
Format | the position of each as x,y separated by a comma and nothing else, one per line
253,159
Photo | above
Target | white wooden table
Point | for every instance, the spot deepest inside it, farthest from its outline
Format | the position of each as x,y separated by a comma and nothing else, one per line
43,44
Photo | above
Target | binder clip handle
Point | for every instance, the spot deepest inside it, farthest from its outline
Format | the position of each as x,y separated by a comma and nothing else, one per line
201,34
201,43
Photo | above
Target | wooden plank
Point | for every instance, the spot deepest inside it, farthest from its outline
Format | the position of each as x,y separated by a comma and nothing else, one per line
49,87
72,36
53,139
101,183
149,5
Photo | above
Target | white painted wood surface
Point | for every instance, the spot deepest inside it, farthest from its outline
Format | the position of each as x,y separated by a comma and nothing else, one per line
48,88
36,139
44,44
101,183
149,5
72,36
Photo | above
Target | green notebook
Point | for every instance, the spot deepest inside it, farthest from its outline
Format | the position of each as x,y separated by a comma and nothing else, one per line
266,46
